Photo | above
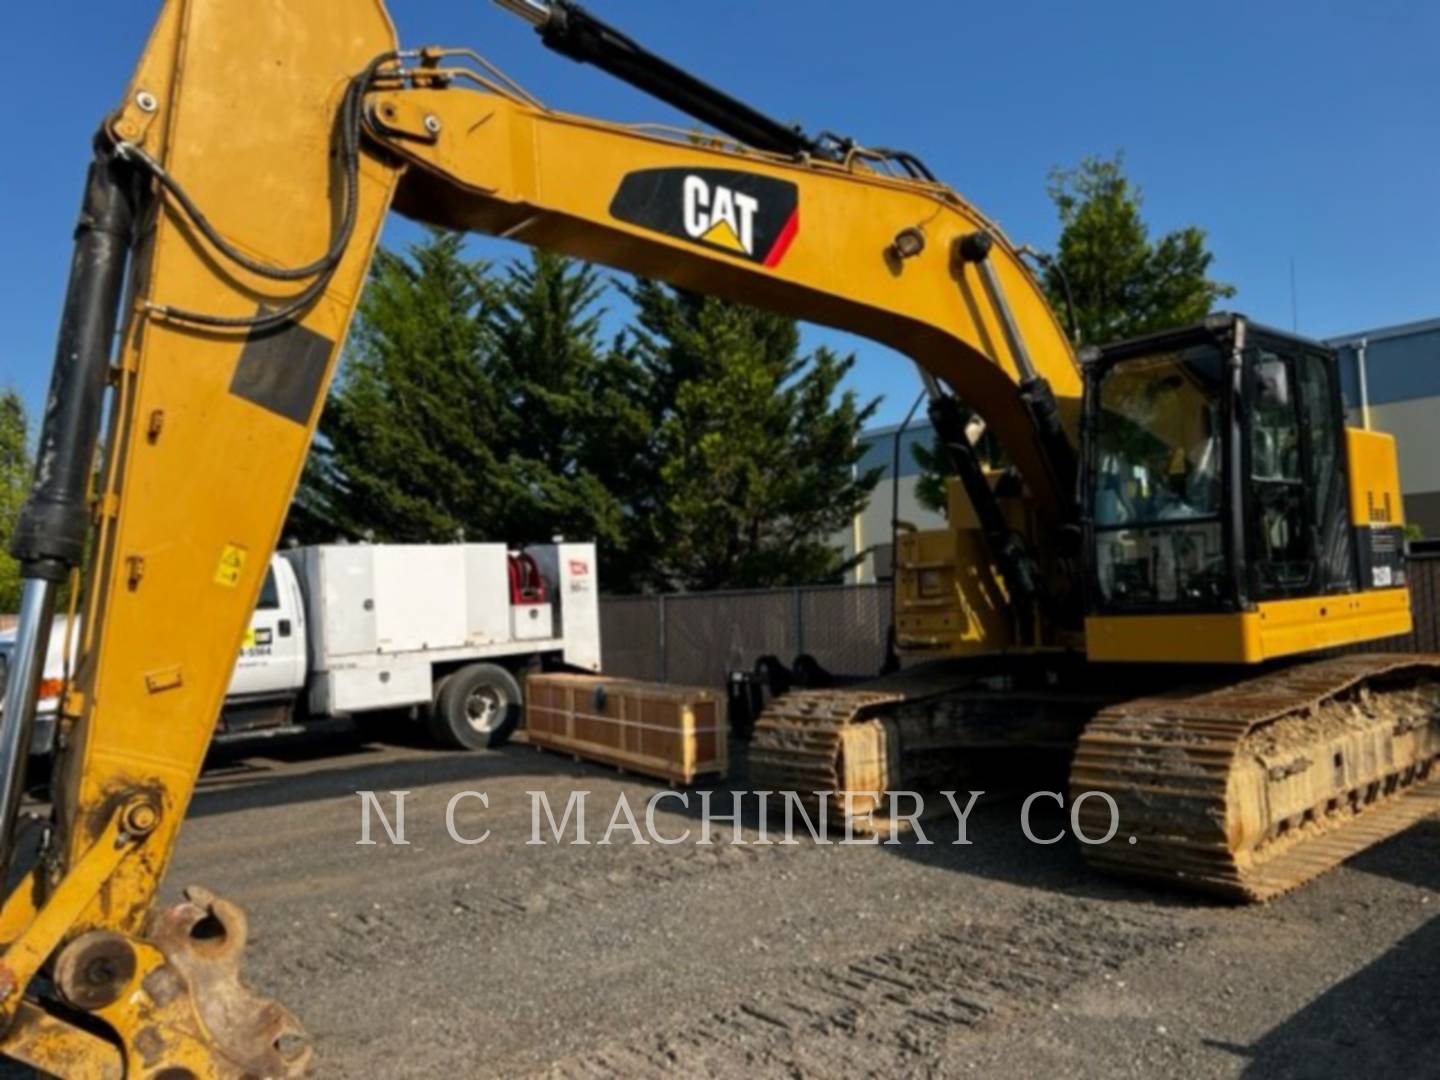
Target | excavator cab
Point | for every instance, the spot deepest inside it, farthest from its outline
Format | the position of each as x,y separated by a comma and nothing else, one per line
1224,503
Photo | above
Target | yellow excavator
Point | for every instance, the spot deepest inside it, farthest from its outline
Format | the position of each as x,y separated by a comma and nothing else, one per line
1179,523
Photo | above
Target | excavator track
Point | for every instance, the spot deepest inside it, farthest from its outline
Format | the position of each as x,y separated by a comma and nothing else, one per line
1251,789
905,731
1244,790
811,741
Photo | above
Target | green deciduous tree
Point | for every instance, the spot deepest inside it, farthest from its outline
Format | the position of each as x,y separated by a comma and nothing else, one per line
15,474
1123,282
755,451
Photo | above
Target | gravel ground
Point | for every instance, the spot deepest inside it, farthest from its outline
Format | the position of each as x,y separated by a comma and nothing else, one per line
998,958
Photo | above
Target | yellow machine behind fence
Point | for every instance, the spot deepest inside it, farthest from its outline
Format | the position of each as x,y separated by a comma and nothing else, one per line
1180,519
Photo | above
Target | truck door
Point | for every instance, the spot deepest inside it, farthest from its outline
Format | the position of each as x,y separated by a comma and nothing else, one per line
272,656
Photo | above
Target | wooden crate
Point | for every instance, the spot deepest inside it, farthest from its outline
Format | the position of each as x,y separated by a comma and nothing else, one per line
674,733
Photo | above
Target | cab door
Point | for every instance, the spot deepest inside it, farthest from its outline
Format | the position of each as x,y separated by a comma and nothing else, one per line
272,656
1322,416
1281,533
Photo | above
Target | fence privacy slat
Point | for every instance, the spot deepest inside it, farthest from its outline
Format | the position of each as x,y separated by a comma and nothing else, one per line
699,638
704,636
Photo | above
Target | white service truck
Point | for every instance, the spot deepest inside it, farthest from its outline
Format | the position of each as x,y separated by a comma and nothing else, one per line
445,632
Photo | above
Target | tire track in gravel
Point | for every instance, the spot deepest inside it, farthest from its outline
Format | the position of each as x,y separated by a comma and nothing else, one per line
365,941
899,1010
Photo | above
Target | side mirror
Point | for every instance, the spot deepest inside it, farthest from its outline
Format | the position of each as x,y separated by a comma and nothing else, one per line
1272,384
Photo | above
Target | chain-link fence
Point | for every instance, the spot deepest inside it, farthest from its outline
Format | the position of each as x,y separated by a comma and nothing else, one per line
698,638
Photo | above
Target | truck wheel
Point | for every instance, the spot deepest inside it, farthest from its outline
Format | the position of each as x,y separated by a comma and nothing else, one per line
476,707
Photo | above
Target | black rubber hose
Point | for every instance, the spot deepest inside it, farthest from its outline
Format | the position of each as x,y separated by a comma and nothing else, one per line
348,134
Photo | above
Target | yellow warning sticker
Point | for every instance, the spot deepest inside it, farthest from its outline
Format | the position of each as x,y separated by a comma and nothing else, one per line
249,642
232,562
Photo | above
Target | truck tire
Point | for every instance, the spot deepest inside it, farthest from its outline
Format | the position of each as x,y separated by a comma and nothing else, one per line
476,708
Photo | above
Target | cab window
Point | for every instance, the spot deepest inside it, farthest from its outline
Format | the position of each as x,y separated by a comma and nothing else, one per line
1329,494
1158,488
1281,548
269,593
1159,439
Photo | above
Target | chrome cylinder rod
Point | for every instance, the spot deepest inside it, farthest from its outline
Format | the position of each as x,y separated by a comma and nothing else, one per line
534,12
22,691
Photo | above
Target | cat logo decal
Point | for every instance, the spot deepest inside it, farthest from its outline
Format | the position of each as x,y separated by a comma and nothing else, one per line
743,214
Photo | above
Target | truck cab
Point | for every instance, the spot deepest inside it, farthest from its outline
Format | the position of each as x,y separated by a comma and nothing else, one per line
270,670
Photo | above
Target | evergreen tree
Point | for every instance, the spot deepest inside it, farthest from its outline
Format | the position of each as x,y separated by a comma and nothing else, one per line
700,451
409,448
754,457
575,430
477,406
15,475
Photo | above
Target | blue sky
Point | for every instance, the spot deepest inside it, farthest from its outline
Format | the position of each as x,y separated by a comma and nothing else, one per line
1290,131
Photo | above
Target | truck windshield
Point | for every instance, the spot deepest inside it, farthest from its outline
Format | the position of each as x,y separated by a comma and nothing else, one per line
1157,490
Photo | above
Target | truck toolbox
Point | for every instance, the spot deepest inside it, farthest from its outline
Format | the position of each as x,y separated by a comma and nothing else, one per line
674,733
